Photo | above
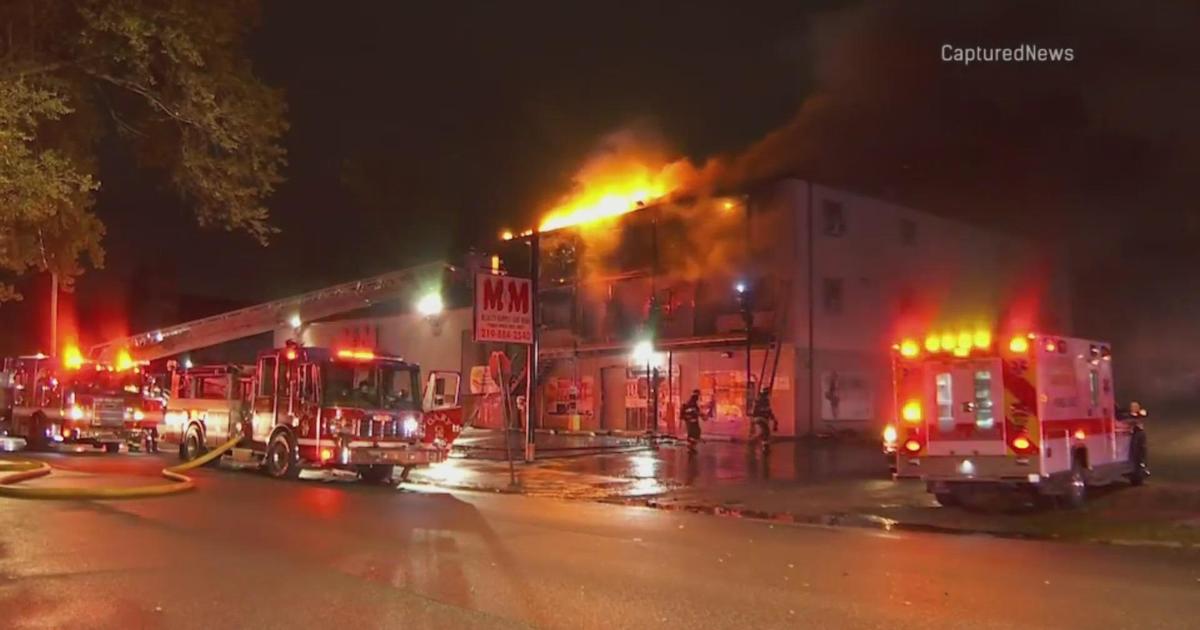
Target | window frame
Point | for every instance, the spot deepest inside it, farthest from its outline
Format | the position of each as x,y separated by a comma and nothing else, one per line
833,295
833,218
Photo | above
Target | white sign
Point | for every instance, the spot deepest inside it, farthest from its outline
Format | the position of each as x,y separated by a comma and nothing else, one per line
503,309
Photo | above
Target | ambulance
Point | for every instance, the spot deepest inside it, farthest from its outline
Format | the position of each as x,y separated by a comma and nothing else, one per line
1023,410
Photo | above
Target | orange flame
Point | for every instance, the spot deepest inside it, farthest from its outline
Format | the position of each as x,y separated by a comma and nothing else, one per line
124,361
627,173
72,357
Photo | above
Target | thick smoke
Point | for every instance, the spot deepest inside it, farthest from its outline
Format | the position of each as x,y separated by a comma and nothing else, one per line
1092,158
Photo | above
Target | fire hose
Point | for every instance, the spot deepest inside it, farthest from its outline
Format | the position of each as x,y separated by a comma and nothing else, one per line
23,470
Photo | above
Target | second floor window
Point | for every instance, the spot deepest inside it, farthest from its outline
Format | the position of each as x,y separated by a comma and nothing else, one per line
832,295
834,218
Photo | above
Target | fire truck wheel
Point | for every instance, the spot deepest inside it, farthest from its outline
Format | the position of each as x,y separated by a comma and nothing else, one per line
192,445
376,474
282,461
112,448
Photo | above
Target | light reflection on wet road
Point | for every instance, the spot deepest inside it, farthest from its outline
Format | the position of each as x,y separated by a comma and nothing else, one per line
246,551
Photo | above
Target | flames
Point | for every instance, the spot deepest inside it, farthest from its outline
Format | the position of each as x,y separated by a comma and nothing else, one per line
612,195
629,170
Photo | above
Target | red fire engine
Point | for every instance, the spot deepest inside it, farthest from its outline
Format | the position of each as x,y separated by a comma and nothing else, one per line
303,407
1026,410
80,403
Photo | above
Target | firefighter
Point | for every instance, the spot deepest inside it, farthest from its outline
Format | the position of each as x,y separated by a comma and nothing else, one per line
762,420
690,412
366,393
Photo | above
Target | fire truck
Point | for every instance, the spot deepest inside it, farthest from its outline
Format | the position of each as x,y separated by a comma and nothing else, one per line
79,403
1024,410
305,407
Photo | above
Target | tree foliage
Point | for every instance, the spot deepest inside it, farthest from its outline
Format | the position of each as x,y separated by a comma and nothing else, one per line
168,76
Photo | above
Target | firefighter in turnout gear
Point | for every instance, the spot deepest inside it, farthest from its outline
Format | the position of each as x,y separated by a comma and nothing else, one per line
762,420
690,412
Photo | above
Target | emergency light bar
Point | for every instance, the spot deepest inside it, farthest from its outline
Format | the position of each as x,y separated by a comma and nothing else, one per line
959,344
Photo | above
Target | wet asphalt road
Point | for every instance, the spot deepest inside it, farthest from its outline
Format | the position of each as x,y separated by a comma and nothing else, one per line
246,551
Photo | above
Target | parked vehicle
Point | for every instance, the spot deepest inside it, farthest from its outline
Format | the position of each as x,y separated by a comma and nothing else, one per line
1037,412
304,407
80,403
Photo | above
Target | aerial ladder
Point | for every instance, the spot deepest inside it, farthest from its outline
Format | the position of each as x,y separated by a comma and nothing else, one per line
289,312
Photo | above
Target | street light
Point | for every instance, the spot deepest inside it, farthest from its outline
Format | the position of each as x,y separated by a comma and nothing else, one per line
643,352
295,321
747,309
431,304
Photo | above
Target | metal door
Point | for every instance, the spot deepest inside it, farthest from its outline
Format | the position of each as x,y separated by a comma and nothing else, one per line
612,405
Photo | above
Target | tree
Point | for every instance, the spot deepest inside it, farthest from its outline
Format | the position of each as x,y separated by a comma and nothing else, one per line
168,76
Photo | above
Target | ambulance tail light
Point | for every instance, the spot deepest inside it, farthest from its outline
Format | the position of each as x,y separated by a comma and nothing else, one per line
912,446
1021,444
911,412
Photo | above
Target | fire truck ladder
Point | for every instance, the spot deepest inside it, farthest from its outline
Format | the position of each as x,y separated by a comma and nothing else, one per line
286,312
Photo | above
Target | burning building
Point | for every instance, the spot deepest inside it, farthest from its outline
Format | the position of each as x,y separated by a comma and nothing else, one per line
794,286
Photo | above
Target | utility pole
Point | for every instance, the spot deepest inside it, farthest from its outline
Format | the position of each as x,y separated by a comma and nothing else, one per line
812,311
652,385
531,380
53,313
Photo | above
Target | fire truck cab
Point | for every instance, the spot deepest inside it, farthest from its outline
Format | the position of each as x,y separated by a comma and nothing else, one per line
79,403
309,407
207,406
1029,410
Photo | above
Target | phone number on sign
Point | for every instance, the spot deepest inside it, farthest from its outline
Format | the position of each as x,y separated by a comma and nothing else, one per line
504,334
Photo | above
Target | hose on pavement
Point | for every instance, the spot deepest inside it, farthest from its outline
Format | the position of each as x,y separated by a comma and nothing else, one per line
23,470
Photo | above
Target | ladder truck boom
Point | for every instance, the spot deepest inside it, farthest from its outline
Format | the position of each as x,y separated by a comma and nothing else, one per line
261,318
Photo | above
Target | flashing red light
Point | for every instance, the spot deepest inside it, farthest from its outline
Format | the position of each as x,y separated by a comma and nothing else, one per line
1080,434
1050,347
909,348
1021,444
66,433
912,446
1019,344
290,354
911,411
360,355
326,454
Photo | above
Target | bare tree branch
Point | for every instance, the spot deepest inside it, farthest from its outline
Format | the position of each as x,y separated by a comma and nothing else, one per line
143,92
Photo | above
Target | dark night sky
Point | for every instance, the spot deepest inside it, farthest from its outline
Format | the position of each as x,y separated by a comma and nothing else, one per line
417,130
420,128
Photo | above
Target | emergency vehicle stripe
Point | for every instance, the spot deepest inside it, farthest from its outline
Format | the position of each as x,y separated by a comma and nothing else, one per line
1020,401
1089,425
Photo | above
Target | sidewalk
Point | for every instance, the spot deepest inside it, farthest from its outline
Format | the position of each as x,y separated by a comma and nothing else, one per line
824,481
